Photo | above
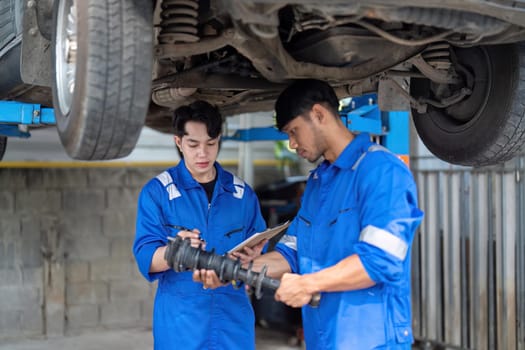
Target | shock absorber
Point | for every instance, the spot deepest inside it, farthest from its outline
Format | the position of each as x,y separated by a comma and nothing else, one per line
178,21
181,256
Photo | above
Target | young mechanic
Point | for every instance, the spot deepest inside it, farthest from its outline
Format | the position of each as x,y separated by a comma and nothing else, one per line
198,200
351,239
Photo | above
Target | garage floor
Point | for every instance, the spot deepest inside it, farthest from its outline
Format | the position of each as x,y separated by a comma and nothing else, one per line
133,340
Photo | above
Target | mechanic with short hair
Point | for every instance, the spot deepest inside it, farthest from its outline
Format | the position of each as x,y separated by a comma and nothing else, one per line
351,239
200,201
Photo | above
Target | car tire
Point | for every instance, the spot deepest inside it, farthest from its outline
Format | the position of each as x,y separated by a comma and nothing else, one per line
487,127
3,146
103,56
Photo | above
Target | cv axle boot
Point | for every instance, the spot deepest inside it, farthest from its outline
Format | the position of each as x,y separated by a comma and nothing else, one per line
181,256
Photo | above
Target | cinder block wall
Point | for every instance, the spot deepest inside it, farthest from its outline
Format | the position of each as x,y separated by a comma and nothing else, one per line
66,264
65,251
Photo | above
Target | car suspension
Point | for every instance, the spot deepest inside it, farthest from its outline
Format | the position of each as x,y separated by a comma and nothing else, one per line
181,256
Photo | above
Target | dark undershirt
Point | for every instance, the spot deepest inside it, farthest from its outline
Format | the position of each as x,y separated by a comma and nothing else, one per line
208,187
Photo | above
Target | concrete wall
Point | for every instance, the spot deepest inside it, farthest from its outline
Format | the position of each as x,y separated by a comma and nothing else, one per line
65,250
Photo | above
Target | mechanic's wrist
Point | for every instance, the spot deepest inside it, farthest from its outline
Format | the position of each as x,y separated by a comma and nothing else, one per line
310,284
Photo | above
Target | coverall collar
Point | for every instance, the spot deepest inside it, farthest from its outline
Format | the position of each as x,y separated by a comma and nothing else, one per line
187,181
352,151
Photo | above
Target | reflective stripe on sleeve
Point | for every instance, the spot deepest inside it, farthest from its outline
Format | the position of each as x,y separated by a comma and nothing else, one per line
385,241
289,241
165,178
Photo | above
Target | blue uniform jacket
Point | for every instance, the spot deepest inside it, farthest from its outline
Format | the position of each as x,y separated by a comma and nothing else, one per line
364,203
185,315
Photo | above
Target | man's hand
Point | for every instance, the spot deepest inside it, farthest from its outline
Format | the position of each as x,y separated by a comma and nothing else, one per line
194,236
208,278
248,254
294,290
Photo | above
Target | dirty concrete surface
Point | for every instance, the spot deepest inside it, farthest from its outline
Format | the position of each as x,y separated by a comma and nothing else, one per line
132,339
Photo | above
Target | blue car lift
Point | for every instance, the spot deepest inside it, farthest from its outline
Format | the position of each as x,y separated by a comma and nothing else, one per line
391,128
362,114
15,117
265,133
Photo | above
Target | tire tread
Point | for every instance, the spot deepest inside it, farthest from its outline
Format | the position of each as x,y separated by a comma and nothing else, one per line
120,61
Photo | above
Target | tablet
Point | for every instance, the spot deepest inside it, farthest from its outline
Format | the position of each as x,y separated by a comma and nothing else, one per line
260,236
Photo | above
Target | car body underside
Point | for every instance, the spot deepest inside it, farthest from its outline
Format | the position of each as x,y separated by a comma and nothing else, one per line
246,57
426,55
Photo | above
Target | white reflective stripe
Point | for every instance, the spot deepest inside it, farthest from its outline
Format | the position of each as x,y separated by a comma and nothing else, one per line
289,241
237,181
358,161
377,147
238,184
167,181
385,241
372,148
165,178
173,191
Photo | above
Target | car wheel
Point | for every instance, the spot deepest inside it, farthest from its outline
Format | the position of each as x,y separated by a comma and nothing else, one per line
3,145
488,126
103,56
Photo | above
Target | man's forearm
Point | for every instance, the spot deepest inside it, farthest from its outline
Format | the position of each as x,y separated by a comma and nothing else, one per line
276,263
348,274
158,263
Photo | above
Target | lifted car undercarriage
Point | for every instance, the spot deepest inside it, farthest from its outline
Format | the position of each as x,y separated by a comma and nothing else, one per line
458,65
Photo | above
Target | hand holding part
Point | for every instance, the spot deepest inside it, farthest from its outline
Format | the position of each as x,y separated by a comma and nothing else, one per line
293,292
181,256
208,278
194,236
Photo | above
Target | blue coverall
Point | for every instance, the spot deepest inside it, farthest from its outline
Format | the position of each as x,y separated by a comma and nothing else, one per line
364,203
185,315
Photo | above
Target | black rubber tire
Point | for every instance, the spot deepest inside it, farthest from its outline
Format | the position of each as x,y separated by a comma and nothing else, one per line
489,126
112,82
3,146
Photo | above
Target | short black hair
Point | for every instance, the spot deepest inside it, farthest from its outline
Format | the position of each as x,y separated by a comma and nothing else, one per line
300,96
198,111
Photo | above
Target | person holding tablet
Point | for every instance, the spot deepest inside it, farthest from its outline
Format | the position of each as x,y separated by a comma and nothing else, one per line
198,200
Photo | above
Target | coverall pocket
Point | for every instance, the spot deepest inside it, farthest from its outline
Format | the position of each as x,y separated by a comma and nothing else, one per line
334,241
304,238
403,333
231,235
173,224
236,230
399,309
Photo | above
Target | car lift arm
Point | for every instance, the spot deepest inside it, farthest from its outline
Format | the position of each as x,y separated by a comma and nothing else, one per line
15,117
